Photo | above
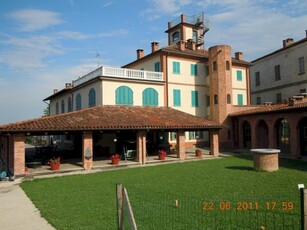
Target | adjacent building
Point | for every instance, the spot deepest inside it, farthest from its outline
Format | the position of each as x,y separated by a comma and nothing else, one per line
280,74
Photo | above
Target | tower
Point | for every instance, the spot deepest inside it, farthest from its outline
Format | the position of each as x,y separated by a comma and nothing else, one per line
220,82
186,27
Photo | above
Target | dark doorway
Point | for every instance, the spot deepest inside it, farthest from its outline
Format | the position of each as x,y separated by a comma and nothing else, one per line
246,135
262,135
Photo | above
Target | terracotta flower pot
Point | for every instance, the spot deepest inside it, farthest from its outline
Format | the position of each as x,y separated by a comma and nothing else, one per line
161,157
55,166
198,153
115,161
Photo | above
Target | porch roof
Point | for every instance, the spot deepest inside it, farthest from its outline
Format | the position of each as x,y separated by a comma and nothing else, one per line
107,117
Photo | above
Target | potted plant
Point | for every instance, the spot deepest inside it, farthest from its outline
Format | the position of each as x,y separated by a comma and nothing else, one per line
198,153
115,159
162,154
54,163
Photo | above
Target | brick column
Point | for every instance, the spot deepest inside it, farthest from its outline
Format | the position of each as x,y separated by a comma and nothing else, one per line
214,142
180,144
18,153
141,146
87,150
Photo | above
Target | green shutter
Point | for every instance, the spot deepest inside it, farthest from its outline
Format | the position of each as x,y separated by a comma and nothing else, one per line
150,97
176,67
177,99
239,75
240,99
157,67
123,96
194,70
194,98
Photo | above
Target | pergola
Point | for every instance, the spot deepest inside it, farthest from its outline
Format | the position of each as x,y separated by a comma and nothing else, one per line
105,118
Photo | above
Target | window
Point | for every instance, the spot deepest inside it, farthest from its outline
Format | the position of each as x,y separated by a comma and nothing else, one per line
216,99
176,67
150,97
69,104
78,101
57,110
173,136
278,98
157,66
194,98
258,101
192,135
62,106
207,70
239,75
228,99
175,36
194,69
207,100
123,96
176,97
257,77
227,65
214,66
240,99
277,72
92,98
301,65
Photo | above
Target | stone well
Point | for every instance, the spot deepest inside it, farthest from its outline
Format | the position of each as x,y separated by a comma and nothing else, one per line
266,159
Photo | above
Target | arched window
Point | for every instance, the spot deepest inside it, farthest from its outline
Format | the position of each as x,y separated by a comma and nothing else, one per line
123,96
150,97
92,98
62,106
228,99
78,101
69,105
57,110
227,65
283,136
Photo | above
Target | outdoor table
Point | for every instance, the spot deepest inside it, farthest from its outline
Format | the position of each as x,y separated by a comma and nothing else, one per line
266,159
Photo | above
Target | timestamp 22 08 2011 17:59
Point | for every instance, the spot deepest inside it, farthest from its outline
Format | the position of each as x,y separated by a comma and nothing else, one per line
243,205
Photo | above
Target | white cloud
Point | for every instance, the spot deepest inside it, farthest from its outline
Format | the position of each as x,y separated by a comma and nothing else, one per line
35,19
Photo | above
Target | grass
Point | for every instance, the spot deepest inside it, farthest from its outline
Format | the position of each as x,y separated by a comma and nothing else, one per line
89,201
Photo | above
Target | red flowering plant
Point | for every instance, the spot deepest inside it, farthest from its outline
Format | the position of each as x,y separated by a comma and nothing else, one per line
115,156
162,152
54,160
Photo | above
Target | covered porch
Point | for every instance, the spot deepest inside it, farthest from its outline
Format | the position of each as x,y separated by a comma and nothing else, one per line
106,119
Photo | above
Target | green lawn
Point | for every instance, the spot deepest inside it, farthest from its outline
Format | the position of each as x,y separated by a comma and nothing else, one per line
89,201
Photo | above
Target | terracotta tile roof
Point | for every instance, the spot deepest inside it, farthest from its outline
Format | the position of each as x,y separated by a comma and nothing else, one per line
298,105
113,118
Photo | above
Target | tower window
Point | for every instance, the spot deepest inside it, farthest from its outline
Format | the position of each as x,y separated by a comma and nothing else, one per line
214,66
216,99
301,65
228,99
175,36
227,65
257,77
277,72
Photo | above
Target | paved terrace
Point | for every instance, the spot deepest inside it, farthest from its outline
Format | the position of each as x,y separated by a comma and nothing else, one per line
74,166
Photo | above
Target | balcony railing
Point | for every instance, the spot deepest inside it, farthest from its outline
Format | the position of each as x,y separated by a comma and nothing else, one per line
105,71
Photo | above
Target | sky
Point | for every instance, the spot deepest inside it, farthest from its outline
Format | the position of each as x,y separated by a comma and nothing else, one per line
45,44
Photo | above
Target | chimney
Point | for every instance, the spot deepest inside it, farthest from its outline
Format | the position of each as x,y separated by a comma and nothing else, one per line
183,18
139,54
239,56
191,44
287,42
154,46
68,85
55,91
181,45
